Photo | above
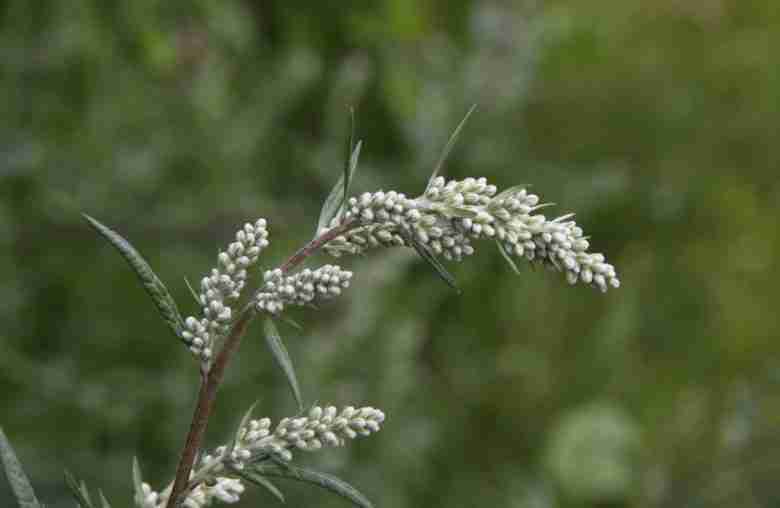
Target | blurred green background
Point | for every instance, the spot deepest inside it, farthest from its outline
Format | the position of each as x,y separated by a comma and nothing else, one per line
175,121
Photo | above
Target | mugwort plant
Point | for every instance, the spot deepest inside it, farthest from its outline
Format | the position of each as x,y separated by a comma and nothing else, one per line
445,222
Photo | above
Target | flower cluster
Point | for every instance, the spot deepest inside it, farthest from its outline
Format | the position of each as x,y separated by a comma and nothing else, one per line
320,427
256,441
223,285
224,489
450,214
302,288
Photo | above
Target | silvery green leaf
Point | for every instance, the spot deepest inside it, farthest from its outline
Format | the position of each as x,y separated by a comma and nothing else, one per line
324,480
428,256
78,490
334,203
261,481
282,357
153,285
507,257
448,147
20,485
137,481
103,501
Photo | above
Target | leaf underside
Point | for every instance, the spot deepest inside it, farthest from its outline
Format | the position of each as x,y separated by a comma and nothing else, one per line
152,284
20,485
282,357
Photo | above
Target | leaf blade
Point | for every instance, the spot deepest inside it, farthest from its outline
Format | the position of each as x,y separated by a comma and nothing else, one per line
428,256
275,344
507,257
448,147
137,481
322,480
78,490
20,484
336,200
261,481
154,287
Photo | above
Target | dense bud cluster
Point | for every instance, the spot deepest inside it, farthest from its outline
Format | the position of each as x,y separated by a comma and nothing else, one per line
256,441
220,488
302,288
321,427
450,214
222,285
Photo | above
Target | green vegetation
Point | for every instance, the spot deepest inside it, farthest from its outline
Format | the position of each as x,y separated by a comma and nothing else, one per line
177,121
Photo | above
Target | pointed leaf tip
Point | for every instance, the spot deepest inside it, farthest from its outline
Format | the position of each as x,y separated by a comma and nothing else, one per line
335,203
152,284
449,146
20,484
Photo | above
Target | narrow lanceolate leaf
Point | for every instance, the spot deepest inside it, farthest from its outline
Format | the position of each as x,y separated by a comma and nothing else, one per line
137,481
324,480
20,485
334,203
78,490
448,147
351,162
282,357
261,481
507,257
428,256
153,285
103,501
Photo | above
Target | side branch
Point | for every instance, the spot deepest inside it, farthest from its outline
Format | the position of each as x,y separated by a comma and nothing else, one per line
211,379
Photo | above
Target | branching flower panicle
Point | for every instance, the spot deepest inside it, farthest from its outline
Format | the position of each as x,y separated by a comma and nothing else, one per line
445,221
450,214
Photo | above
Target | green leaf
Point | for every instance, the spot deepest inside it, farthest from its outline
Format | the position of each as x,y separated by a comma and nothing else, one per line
261,481
192,291
428,256
350,163
153,285
448,147
291,322
20,485
137,481
78,490
335,202
507,257
324,480
282,357
103,501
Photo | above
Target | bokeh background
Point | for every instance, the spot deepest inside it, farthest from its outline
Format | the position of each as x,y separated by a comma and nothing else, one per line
175,121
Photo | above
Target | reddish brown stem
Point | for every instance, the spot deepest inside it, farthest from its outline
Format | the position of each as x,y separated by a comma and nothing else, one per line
211,380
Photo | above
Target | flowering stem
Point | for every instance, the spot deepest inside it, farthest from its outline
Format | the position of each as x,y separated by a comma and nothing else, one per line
212,378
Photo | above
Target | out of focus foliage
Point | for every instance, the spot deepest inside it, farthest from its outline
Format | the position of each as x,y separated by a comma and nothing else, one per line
175,121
